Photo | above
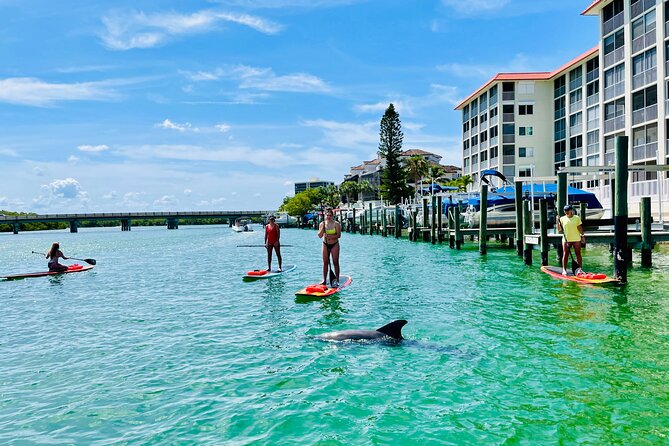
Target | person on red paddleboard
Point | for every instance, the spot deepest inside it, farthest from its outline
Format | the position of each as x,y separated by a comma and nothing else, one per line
272,236
573,235
53,255
330,231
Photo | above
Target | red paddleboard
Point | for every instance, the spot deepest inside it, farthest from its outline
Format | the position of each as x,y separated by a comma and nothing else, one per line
318,290
71,269
591,278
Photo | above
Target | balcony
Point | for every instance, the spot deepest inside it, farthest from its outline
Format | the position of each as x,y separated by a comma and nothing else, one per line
560,156
494,161
484,164
475,129
508,138
508,95
614,90
576,83
594,124
643,42
465,134
613,124
641,79
640,7
614,57
575,129
576,106
613,23
592,100
509,159
508,117
575,153
483,145
644,114
465,153
593,160
493,141
593,149
609,159
592,75
644,152
494,120
493,100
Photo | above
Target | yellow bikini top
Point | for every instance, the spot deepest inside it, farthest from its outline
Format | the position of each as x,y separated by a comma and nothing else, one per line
332,231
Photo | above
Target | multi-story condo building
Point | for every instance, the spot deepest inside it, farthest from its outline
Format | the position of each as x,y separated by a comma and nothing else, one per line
313,183
536,123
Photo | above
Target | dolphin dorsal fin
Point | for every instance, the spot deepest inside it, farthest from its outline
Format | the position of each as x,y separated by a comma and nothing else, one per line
393,329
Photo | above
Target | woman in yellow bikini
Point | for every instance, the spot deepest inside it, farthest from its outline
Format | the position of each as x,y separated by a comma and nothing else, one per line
330,231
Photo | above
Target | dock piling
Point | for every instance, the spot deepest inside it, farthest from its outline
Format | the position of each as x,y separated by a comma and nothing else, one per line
483,221
527,230
519,217
620,219
646,234
543,227
433,225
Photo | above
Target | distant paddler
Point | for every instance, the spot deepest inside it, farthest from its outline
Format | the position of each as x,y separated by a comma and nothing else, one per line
573,235
330,231
272,242
53,255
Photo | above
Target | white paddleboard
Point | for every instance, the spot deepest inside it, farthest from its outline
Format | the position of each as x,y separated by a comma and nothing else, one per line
264,274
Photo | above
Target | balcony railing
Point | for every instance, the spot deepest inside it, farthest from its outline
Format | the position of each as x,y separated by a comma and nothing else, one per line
644,151
644,41
613,124
465,153
592,160
666,27
559,157
575,129
575,153
576,83
494,161
641,6
493,100
592,100
613,23
594,124
592,75
508,117
475,129
609,159
508,95
593,149
666,108
614,90
509,159
493,141
644,114
465,134
484,164
508,138
494,120
614,56
484,144
576,106
641,79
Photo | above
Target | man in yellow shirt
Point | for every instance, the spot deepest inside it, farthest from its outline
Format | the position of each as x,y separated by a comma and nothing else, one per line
572,229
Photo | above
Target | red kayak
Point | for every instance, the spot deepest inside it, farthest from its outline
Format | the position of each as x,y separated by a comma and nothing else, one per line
76,268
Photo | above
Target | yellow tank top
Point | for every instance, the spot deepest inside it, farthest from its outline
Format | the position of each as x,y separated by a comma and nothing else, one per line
570,228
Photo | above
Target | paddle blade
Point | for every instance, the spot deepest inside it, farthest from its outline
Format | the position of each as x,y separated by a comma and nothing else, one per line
574,266
333,278
90,261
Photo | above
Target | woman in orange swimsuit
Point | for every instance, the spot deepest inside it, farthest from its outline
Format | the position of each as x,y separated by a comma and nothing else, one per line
330,231
272,236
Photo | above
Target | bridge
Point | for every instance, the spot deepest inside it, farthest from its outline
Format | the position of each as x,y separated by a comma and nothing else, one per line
172,218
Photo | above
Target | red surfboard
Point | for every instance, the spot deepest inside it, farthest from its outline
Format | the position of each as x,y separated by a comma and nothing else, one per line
71,269
591,278
318,290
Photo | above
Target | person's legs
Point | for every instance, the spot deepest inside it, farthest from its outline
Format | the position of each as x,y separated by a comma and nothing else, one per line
577,251
269,258
565,256
58,268
325,264
277,248
335,260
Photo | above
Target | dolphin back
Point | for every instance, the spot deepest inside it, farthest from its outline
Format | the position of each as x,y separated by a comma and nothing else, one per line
393,329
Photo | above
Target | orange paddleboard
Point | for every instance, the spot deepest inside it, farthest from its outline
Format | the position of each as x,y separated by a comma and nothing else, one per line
593,279
317,290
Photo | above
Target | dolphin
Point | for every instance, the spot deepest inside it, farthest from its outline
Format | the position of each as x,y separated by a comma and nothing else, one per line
392,330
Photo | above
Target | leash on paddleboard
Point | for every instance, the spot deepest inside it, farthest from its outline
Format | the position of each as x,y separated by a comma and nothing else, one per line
89,261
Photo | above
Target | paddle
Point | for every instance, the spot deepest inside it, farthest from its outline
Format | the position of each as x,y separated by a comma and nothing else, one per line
574,264
260,246
89,261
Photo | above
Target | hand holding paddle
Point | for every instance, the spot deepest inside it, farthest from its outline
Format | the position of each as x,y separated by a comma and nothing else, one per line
89,261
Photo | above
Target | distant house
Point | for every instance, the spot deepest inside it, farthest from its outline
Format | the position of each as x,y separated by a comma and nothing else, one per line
313,183
429,156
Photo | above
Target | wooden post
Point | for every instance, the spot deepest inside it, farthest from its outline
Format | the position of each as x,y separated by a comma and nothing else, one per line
398,222
519,217
451,228
384,229
527,229
456,222
440,207
353,229
433,225
562,193
583,210
483,221
543,227
414,225
613,197
371,220
646,234
425,222
620,218
378,222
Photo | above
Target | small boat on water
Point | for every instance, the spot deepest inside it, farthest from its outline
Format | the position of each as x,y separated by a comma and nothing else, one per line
242,224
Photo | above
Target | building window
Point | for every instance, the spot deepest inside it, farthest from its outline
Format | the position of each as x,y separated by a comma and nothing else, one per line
465,127
525,131
613,9
614,41
559,86
576,120
593,142
575,78
484,118
560,129
465,113
494,131
526,109
484,156
644,98
525,172
525,152
484,136
494,152
525,87
560,109
644,25
508,129
493,112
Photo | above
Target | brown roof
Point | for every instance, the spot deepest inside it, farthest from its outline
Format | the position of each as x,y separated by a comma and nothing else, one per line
360,167
373,162
543,76
416,152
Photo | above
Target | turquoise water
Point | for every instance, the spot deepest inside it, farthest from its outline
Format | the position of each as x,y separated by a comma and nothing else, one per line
163,343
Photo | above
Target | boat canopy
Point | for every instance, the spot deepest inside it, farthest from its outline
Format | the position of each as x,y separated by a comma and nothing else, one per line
506,195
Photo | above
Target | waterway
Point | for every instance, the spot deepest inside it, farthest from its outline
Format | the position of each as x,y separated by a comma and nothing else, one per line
163,343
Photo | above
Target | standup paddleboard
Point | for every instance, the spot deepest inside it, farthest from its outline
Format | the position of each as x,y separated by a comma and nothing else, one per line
264,274
71,269
593,279
318,290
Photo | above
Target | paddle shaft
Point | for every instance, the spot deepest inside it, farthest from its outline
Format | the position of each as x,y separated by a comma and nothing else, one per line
89,261
261,246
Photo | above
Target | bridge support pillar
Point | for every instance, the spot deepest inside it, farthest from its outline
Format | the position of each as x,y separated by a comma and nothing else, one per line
230,220
15,227
126,224
74,226
172,223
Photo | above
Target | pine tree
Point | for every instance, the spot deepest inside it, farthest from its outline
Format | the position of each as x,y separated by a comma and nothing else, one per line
394,177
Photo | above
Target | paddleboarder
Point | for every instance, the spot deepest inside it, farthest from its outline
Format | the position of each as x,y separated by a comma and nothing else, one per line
572,236
53,255
272,236
330,231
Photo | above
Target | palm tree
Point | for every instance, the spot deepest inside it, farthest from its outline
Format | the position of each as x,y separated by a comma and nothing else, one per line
365,187
436,172
462,183
417,167
350,189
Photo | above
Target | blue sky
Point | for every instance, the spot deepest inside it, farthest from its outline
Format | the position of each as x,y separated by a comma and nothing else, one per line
223,104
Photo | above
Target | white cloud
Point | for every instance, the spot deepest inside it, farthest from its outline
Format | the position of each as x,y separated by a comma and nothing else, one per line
73,159
473,7
112,195
187,192
519,63
38,171
223,128
94,149
31,91
8,152
439,95
257,194
264,79
140,30
288,183
166,201
347,134
67,189
185,127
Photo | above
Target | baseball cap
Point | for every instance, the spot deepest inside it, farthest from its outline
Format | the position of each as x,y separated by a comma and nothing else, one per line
568,207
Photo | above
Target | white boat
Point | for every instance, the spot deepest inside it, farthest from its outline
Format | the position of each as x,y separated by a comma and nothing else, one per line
242,225
283,219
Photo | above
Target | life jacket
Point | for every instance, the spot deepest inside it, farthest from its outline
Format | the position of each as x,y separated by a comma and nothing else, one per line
591,276
316,288
74,267
257,272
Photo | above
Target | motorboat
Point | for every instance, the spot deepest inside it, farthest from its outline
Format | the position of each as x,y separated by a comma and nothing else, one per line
242,224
